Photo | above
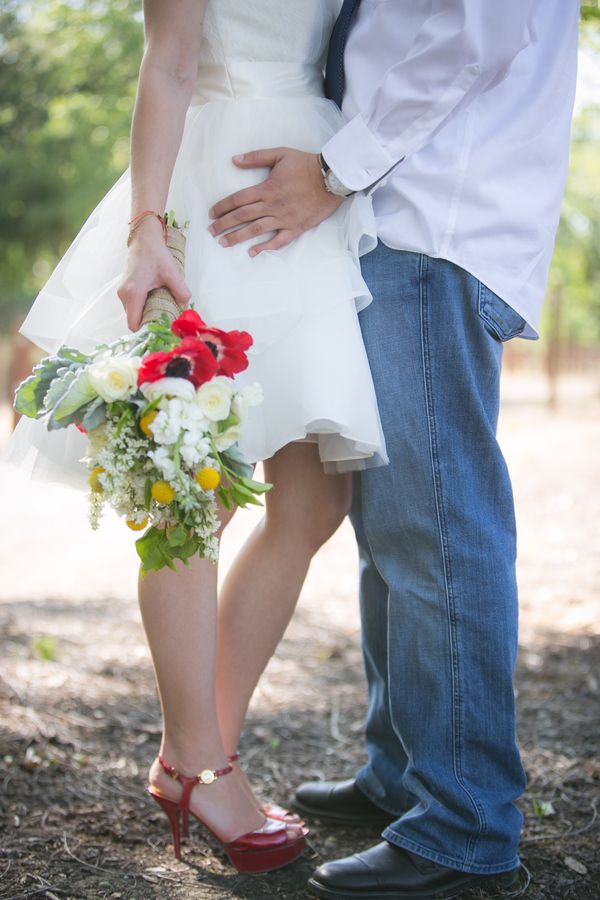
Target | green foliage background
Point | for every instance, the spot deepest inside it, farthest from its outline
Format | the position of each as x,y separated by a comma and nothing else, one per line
68,75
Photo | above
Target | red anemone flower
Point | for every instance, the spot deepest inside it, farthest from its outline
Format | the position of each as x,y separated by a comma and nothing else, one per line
227,347
192,360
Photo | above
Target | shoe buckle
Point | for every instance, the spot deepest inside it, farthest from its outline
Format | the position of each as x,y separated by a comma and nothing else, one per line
207,776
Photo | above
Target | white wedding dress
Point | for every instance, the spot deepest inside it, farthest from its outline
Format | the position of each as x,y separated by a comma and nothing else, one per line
260,85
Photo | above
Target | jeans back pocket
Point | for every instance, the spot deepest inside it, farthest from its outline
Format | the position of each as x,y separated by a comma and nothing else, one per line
499,319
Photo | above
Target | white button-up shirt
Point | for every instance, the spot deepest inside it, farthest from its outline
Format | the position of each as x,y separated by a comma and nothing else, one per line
459,121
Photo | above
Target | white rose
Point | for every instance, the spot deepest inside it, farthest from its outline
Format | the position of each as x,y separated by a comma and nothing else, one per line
114,379
214,398
170,387
225,440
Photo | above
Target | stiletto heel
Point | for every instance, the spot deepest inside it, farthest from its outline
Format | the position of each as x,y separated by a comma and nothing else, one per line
262,850
273,810
171,809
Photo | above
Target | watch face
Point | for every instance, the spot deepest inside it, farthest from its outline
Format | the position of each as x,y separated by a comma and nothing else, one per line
336,186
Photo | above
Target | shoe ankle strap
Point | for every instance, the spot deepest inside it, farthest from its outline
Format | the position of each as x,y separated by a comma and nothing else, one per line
206,776
233,757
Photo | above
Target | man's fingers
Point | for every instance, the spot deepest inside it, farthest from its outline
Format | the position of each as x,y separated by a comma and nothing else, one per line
239,216
256,159
254,229
281,239
244,197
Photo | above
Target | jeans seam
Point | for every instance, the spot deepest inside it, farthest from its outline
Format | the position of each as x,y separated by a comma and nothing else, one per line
388,701
457,725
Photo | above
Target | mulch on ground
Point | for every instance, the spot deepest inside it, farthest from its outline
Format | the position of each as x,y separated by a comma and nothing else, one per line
73,755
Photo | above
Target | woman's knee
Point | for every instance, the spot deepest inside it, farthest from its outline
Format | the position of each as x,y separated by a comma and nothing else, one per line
313,516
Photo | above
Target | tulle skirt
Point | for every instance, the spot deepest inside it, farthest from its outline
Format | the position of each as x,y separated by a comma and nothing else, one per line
300,304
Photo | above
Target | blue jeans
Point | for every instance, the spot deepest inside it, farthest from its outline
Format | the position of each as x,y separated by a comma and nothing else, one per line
437,544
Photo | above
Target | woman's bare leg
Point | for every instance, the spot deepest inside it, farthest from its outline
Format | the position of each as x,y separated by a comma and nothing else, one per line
179,612
259,595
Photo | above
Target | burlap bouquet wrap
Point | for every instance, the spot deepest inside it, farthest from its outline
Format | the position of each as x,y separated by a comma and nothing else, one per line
161,300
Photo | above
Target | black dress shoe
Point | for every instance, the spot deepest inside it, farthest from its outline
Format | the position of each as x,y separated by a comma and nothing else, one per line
341,802
385,872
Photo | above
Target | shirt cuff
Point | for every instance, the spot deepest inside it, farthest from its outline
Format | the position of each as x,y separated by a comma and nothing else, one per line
354,155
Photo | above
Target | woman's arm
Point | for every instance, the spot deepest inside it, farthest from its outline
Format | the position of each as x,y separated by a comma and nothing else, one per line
173,32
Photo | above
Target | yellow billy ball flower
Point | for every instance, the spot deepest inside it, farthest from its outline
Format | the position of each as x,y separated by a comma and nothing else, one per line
146,421
208,478
162,492
136,526
94,481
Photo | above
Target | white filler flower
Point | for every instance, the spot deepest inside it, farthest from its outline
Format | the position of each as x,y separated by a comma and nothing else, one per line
114,379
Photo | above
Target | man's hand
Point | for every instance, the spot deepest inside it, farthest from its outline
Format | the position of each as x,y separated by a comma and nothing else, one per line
290,201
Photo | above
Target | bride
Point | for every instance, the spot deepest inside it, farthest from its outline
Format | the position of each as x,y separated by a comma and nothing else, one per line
216,78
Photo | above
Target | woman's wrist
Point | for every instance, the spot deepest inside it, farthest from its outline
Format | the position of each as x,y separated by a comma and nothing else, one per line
148,228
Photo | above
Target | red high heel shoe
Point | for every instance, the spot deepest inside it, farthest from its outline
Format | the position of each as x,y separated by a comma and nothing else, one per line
273,810
262,850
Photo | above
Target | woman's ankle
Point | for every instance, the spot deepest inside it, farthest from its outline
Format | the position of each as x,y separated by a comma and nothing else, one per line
189,760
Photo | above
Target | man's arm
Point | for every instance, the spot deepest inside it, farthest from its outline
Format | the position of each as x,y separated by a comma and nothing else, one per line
461,48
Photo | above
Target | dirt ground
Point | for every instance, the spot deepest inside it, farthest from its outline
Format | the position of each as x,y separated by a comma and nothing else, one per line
80,727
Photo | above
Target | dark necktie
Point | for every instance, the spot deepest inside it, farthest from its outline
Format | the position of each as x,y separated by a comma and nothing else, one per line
334,70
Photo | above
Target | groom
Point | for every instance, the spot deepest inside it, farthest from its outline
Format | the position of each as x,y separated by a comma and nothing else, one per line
458,125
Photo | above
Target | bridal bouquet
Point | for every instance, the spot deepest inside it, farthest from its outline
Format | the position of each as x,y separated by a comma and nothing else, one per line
162,416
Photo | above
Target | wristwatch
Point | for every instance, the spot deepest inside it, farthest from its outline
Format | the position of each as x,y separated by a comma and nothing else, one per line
332,182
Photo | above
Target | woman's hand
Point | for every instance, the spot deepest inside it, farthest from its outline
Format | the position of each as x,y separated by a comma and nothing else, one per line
149,266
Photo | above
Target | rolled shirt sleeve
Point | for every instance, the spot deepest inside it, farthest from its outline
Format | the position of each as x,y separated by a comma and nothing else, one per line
461,48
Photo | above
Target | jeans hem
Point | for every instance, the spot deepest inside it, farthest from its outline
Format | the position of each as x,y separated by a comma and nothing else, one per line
362,782
406,844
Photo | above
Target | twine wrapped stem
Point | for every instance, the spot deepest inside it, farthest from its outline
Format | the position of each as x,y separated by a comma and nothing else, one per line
161,300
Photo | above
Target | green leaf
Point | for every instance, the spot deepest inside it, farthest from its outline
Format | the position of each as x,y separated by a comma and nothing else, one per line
95,414
150,407
148,494
242,496
70,354
188,549
177,537
230,422
224,497
125,417
151,549
78,393
176,452
236,462
31,393
258,487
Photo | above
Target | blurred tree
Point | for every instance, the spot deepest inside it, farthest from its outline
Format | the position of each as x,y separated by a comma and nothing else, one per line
575,270
590,12
67,84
